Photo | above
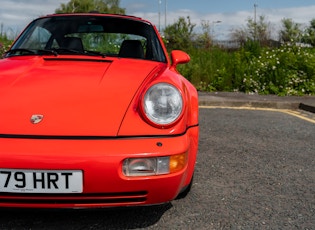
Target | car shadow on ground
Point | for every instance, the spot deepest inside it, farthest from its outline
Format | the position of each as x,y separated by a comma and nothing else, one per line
107,218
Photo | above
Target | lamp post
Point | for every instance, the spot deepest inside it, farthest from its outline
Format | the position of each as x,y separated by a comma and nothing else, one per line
255,21
160,2
165,14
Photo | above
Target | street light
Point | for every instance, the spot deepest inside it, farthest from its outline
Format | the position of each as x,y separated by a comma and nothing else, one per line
165,13
160,2
255,21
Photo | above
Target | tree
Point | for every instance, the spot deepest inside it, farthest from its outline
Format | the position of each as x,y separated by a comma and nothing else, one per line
180,34
84,6
309,36
257,31
5,43
290,31
205,39
239,35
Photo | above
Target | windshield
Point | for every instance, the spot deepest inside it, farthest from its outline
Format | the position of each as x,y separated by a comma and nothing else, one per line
90,35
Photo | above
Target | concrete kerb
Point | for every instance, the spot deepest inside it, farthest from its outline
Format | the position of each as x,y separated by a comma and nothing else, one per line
226,99
254,104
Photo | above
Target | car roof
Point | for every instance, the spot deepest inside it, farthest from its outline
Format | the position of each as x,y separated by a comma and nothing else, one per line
122,16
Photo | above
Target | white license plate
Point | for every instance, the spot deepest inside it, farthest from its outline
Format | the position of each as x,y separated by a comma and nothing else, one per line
41,181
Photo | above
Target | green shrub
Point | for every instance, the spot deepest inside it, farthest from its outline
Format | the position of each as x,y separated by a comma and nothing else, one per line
288,70
4,44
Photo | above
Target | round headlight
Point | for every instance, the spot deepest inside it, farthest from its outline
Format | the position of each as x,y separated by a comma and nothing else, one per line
163,104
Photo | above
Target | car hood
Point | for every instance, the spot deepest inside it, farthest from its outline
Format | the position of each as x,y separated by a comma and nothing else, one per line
68,96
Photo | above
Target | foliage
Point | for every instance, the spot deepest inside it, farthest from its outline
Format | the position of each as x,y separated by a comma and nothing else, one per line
256,67
288,70
180,35
84,6
259,31
290,32
4,44
255,31
309,35
205,39
209,69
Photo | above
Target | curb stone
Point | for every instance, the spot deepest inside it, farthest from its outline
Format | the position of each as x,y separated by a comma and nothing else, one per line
236,99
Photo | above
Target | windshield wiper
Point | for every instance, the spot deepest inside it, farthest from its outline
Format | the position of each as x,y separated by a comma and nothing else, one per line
55,52
42,52
19,51
72,51
23,51
94,53
66,51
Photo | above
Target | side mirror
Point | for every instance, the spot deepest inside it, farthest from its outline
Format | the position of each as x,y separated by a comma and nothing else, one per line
179,57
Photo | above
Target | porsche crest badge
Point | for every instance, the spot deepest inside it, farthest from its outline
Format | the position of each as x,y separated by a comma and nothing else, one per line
36,118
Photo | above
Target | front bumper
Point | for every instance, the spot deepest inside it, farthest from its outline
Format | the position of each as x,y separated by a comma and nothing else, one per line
104,184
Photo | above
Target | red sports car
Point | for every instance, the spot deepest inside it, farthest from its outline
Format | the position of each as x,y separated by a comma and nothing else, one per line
94,114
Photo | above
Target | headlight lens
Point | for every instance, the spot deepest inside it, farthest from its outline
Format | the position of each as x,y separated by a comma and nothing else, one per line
163,104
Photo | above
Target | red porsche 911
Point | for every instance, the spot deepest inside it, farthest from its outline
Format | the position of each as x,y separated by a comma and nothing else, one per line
94,114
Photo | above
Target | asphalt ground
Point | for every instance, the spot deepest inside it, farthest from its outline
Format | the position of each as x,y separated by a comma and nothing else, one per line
237,99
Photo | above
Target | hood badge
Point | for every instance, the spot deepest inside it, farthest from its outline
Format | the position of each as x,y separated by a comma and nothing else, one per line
36,118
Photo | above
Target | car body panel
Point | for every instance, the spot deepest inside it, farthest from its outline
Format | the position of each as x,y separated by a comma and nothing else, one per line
100,160
68,111
67,85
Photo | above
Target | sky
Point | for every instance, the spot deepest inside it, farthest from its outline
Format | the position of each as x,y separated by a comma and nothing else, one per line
223,16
